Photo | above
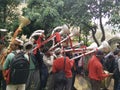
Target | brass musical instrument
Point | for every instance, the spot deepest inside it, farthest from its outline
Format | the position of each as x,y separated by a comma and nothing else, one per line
105,47
62,30
36,33
75,32
23,22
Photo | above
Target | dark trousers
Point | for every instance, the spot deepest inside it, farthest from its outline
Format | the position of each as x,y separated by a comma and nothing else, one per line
2,81
95,84
116,82
50,82
62,86
73,78
118,86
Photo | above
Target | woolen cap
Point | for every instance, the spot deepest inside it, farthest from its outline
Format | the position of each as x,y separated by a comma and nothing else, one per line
18,42
99,53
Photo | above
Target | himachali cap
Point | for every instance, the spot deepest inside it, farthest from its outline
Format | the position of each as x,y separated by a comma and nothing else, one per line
28,45
18,42
99,53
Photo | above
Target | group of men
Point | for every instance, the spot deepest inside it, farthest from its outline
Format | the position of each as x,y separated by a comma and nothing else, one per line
44,64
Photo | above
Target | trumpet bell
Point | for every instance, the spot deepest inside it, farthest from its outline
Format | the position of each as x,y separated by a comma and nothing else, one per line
23,21
92,46
104,46
65,30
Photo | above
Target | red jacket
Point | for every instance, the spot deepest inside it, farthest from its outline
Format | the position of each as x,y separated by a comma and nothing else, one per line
95,69
58,65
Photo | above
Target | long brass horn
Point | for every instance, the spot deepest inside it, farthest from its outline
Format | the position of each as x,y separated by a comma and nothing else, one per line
39,31
23,22
64,29
105,47
73,33
35,34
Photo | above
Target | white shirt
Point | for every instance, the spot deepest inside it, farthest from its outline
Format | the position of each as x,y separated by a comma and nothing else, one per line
48,60
119,64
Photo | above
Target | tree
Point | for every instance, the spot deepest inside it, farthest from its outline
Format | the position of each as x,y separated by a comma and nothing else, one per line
75,12
47,14
114,19
8,13
43,14
100,9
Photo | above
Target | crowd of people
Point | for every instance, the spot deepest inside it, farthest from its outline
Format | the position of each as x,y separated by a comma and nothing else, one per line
43,64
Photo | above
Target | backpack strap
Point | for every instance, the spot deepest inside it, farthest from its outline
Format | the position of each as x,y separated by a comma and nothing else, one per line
64,62
14,52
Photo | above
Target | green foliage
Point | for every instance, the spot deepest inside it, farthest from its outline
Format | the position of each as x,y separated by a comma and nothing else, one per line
47,14
76,11
8,13
114,18
44,14
100,8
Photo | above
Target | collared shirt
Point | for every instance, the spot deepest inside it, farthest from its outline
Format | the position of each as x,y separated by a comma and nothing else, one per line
58,64
95,69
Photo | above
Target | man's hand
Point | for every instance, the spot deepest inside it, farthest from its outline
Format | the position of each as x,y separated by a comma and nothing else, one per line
110,74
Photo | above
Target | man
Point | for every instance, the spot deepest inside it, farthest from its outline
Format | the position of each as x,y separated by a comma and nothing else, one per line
3,33
48,58
58,65
16,47
2,81
95,70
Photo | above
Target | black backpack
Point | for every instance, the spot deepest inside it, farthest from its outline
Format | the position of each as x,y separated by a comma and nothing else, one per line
19,69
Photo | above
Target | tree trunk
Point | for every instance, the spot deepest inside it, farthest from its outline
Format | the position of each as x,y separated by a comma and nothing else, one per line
100,19
93,28
102,29
93,35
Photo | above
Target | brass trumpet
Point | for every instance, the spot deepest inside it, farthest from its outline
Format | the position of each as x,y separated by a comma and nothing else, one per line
36,33
73,33
105,47
23,22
